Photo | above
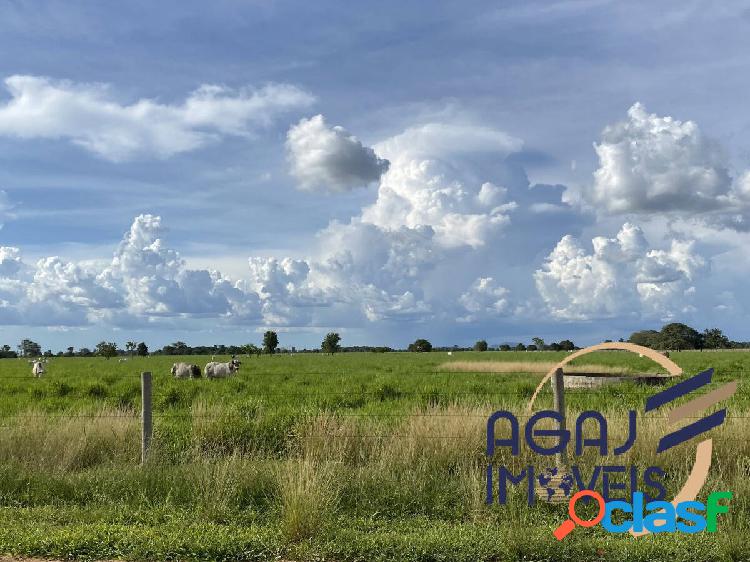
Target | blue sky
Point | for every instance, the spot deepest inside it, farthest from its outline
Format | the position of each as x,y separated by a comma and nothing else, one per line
498,170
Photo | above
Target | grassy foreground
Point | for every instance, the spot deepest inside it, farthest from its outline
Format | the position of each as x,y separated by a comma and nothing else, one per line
344,458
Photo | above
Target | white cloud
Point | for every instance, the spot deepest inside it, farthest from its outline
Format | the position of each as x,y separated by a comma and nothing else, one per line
621,277
145,280
286,296
484,300
90,116
10,261
155,281
650,165
329,158
439,201
429,183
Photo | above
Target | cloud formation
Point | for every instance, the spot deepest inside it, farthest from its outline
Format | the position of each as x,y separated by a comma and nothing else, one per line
431,183
650,165
485,299
325,158
452,236
144,280
90,115
622,277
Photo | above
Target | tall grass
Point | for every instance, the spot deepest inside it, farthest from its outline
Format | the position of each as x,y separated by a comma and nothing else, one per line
307,444
70,442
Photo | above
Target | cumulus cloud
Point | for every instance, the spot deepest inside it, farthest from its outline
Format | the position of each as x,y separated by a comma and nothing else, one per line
442,198
285,292
91,116
651,165
485,299
10,261
144,280
431,184
621,277
155,280
329,158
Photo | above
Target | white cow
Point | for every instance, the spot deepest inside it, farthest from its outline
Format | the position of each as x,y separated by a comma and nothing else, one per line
216,370
37,369
185,371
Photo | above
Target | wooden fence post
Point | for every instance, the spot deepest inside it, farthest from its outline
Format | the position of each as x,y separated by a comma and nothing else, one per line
558,395
146,421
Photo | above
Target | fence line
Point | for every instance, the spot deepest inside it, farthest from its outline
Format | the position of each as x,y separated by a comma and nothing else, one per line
147,415
235,415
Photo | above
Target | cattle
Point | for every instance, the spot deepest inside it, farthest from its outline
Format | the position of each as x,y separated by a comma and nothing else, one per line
37,369
185,371
216,370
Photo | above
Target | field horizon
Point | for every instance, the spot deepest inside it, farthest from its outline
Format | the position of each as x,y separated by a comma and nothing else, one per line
315,457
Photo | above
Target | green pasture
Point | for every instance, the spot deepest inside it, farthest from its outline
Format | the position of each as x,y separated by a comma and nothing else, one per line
361,456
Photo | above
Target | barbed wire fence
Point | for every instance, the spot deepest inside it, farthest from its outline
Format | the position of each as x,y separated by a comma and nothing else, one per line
147,414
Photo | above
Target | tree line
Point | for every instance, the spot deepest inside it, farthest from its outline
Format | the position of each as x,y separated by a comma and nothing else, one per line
676,336
673,336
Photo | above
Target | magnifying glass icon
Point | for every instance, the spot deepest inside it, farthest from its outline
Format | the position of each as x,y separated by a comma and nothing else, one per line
569,524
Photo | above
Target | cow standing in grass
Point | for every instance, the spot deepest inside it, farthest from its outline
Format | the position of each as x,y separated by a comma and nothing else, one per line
216,370
185,371
37,368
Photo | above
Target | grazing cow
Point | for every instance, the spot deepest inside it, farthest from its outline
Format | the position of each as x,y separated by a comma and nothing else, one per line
185,371
215,370
37,369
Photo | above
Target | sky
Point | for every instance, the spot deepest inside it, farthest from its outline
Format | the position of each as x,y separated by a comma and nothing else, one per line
497,170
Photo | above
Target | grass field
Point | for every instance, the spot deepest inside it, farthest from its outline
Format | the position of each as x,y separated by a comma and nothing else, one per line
310,457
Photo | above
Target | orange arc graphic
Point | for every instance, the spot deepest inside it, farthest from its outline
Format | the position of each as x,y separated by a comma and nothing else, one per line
699,472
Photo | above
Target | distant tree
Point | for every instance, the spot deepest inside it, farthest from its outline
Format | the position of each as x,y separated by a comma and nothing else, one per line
106,349
420,346
250,349
531,347
554,346
567,345
331,343
679,336
504,347
520,347
646,338
130,347
538,342
481,345
7,353
714,338
49,353
85,352
30,348
141,350
270,342
70,352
